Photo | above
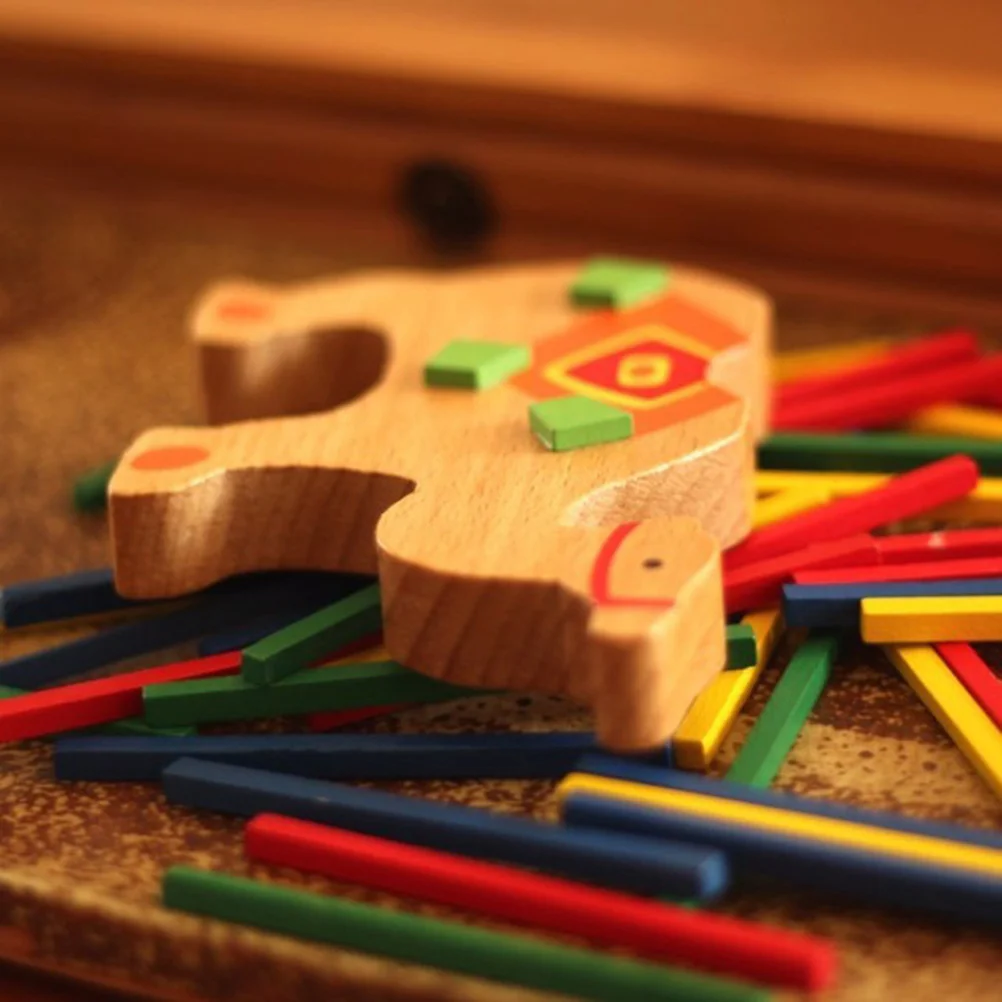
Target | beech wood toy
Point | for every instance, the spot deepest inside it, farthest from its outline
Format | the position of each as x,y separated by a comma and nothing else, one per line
355,433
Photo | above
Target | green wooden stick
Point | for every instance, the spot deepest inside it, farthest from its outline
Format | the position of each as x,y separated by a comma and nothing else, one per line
789,706
741,648
296,645
878,453
90,491
339,687
449,946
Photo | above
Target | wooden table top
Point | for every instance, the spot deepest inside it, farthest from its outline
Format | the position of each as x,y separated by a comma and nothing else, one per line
93,294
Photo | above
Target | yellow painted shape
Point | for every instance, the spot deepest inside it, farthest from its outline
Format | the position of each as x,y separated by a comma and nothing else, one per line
983,504
972,730
788,503
953,419
851,834
707,722
643,371
933,619
790,365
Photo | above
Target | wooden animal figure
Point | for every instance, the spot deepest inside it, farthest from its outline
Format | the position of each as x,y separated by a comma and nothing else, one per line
593,572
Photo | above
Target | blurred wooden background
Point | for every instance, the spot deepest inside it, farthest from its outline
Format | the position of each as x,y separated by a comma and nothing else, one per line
844,150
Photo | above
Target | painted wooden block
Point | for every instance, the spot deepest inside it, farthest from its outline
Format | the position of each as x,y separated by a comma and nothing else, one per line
593,573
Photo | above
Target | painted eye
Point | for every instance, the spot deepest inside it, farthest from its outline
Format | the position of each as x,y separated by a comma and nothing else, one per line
652,563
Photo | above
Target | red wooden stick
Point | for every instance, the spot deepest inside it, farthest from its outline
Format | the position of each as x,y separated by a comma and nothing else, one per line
978,679
881,404
956,544
99,701
651,929
936,570
759,584
902,497
915,357
331,719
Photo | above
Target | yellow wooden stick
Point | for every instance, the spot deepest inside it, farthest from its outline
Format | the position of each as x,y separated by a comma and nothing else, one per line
983,504
790,365
953,419
902,845
931,620
954,707
787,503
704,727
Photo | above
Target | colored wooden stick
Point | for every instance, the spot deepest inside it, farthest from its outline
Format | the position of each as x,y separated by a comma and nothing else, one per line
955,419
127,727
983,504
972,730
741,646
871,864
778,726
931,619
318,723
340,687
68,596
619,767
758,583
451,946
207,612
878,405
296,645
786,504
349,757
708,721
837,606
936,570
897,365
951,544
654,930
627,864
977,678
903,497
90,489
98,701
802,362
875,453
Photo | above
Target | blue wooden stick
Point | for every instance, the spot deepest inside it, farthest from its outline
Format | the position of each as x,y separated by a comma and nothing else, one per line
614,767
836,606
47,600
840,869
331,756
614,861
250,633
233,603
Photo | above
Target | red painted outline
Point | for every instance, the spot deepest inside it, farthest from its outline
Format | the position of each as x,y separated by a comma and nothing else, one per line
602,566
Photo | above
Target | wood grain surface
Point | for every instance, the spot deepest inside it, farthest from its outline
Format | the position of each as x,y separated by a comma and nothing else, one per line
92,351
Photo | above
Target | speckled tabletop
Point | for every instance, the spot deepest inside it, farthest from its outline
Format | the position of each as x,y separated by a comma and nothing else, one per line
92,304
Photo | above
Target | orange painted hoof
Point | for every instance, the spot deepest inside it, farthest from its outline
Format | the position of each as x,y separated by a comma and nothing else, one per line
172,457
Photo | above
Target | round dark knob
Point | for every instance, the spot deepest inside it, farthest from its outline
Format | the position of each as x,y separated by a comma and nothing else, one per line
449,204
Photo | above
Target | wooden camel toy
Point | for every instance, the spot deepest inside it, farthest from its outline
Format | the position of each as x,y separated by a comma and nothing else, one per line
593,572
